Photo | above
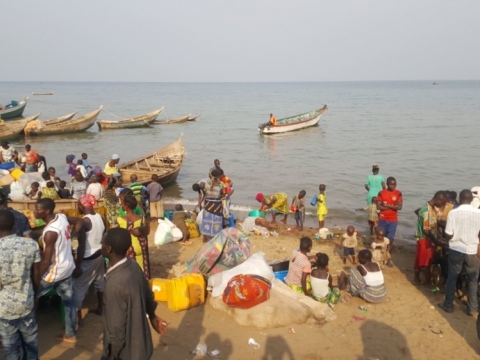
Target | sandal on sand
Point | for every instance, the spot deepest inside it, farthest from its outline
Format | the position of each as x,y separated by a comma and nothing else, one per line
67,339
185,243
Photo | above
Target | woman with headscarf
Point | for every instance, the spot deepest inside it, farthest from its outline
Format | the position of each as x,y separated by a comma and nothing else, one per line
71,166
212,221
278,203
374,184
139,230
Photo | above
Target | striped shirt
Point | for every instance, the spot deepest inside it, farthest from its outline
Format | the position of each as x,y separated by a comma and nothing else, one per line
62,264
136,188
298,265
464,224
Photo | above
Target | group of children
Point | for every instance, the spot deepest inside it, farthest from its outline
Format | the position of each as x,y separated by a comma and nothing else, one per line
319,200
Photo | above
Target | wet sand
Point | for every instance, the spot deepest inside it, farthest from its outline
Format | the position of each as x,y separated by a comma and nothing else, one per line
408,325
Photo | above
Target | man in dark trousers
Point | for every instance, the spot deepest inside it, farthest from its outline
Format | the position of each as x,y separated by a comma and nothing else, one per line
127,302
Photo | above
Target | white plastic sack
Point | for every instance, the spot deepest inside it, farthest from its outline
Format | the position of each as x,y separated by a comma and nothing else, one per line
27,179
200,218
4,172
16,192
166,232
254,265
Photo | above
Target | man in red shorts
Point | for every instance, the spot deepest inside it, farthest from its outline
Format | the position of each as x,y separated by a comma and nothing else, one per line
389,202
427,237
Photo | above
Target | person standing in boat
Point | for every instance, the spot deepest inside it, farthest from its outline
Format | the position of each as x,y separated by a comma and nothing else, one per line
374,184
273,120
111,168
8,153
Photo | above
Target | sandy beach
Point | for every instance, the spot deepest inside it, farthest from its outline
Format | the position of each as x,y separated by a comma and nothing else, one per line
409,325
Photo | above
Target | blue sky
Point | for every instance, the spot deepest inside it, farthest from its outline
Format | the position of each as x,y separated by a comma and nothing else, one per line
247,40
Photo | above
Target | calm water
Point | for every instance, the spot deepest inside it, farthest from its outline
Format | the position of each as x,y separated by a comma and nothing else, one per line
424,135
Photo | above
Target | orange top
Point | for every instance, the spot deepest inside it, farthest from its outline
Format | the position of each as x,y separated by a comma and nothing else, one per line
273,120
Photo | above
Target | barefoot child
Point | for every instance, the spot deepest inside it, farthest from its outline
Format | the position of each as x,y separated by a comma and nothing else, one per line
380,244
322,288
179,218
349,242
298,203
322,209
372,215
299,267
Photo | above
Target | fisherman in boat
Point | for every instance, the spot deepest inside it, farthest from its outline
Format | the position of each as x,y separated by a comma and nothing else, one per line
273,120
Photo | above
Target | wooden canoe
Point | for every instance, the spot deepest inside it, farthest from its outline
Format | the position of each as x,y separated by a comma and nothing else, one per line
178,120
79,124
13,129
136,122
165,162
60,205
59,119
293,123
193,118
45,93
14,111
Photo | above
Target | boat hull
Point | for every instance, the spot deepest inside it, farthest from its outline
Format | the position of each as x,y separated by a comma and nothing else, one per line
80,124
173,121
13,129
294,126
165,162
136,122
60,205
13,112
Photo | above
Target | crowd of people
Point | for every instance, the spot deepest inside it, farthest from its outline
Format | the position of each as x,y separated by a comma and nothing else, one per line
36,263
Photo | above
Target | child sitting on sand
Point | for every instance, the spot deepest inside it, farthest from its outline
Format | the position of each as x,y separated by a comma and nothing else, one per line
322,208
300,267
380,244
372,215
349,242
179,218
321,280
34,193
298,203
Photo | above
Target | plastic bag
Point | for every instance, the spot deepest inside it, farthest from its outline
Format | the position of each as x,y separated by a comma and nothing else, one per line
16,192
27,179
254,265
314,200
200,218
166,233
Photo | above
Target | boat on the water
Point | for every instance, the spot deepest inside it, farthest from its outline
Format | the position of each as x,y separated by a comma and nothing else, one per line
193,118
293,123
45,93
79,124
165,162
14,109
59,119
178,120
136,122
13,129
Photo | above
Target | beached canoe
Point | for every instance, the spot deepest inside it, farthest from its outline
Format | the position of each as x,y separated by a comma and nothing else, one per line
11,130
60,205
165,162
79,124
136,122
178,120
14,111
193,118
293,123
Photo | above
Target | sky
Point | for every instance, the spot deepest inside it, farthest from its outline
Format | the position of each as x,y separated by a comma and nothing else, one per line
239,41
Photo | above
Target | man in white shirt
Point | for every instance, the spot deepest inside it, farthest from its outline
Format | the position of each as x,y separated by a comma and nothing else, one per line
463,231
58,266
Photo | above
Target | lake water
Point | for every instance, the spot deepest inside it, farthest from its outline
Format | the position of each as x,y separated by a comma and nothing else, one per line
424,135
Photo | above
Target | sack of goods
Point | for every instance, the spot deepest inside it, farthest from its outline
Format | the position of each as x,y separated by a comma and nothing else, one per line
166,233
246,291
